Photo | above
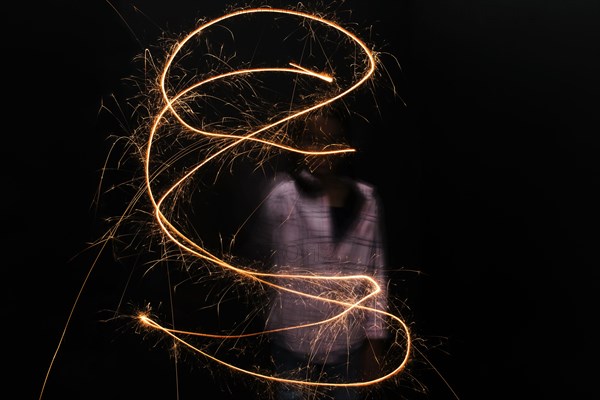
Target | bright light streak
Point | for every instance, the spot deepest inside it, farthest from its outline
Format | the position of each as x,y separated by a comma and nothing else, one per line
172,103
174,108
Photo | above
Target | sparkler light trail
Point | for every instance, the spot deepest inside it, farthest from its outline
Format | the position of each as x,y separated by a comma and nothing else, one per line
176,105
209,108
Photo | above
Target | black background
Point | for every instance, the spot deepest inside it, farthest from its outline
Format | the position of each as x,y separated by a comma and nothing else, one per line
489,191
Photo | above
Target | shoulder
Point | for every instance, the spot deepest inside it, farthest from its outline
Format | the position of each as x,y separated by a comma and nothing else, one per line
366,189
282,187
371,201
282,182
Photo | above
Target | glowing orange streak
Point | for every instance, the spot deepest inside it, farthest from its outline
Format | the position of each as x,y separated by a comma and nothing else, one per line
147,321
360,82
191,247
299,70
350,306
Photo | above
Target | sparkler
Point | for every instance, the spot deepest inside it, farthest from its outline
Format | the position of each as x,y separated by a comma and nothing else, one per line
180,129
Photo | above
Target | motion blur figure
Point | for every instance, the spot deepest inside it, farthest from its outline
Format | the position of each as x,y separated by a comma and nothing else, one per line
318,221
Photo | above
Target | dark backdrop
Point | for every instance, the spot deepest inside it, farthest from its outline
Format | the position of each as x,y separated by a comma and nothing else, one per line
486,162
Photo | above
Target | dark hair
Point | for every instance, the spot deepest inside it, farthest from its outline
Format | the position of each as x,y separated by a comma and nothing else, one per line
326,128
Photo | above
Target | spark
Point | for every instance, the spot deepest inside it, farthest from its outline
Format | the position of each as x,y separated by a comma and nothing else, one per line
174,118
172,103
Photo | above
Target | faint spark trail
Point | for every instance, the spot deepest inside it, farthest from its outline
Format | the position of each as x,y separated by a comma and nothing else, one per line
171,105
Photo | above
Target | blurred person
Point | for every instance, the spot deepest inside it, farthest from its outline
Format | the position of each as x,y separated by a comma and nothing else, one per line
320,221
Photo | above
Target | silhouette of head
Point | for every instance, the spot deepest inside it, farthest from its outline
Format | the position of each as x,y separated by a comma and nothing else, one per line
324,132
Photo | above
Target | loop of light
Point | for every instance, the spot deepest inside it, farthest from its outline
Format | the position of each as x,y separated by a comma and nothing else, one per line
190,247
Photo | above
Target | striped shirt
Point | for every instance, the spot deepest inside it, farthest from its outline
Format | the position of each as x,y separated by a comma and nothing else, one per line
323,270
